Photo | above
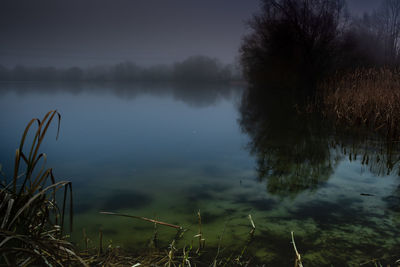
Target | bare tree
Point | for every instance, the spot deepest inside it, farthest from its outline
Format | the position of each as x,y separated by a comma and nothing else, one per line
292,40
387,19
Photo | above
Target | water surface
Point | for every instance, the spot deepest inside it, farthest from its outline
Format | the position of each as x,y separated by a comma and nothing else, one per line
167,151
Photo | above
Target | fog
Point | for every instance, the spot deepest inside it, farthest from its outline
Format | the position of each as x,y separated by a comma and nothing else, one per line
103,32
97,32
192,69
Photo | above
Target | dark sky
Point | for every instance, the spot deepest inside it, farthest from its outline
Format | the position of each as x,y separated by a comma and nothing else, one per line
358,7
93,32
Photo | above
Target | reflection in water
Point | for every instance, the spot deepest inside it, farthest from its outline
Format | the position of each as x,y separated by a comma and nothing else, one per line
160,156
292,150
193,94
298,151
377,153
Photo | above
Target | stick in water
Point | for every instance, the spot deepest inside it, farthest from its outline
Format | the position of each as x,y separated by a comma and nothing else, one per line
298,257
141,218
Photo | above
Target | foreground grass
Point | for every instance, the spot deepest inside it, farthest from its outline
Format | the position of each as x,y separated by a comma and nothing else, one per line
364,97
32,223
192,254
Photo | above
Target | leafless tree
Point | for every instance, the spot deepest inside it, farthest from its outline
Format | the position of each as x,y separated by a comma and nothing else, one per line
292,39
387,24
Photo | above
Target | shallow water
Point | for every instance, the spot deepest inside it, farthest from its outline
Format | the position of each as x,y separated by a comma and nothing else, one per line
167,151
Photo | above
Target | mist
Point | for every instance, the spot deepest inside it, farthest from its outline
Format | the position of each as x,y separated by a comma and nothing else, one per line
88,33
193,69
200,116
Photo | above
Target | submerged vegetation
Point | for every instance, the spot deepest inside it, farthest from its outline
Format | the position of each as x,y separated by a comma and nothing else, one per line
289,61
33,216
323,89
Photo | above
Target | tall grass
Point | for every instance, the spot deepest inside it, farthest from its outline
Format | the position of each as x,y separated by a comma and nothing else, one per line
364,97
32,221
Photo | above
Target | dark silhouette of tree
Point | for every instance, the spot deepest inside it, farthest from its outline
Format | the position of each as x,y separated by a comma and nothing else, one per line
44,74
73,74
293,42
299,151
361,45
387,20
157,73
201,68
20,73
4,74
193,69
126,71
372,40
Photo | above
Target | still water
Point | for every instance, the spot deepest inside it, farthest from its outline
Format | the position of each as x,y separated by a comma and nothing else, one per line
167,151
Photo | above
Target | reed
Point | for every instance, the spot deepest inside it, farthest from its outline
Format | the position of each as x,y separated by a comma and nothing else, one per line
174,255
32,222
297,262
364,97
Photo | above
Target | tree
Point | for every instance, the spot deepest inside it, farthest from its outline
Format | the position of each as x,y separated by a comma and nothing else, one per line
200,69
126,71
73,74
361,44
292,42
388,27
4,74
20,73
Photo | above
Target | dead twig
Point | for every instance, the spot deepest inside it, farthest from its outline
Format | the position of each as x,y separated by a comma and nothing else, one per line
141,218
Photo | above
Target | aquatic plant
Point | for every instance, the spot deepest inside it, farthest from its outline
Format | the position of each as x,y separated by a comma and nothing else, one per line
297,262
364,108
364,97
191,254
32,222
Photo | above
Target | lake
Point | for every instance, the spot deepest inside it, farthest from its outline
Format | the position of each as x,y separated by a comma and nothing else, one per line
166,151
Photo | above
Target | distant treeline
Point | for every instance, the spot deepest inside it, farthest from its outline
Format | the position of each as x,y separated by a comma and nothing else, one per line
195,68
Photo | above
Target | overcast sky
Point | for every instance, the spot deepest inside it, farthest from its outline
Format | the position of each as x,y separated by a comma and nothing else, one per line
93,32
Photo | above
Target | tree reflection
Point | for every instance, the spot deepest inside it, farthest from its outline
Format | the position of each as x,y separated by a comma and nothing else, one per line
297,150
291,148
193,94
378,154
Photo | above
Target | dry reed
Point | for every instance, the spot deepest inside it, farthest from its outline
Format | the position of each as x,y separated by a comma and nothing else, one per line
367,97
32,222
